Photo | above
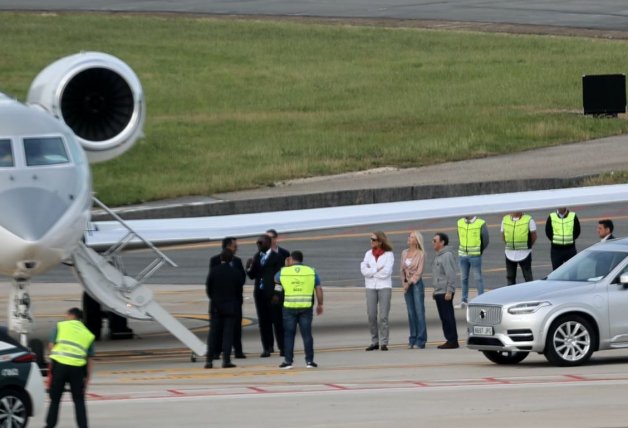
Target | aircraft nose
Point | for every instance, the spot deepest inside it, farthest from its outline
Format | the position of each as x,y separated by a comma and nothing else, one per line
30,212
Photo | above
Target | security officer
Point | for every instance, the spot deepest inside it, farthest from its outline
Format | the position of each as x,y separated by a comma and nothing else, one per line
473,239
72,345
562,229
519,234
299,284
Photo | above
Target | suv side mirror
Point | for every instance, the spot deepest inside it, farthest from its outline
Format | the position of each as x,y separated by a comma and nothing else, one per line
623,279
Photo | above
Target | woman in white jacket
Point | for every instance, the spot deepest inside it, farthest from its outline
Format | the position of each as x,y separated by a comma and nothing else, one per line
377,268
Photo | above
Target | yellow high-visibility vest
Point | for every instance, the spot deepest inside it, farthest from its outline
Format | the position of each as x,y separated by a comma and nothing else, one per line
470,237
516,232
298,282
562,229
71,344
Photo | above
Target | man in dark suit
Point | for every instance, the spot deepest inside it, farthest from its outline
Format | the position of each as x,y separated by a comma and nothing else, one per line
224,289
262,268
605,229
230,243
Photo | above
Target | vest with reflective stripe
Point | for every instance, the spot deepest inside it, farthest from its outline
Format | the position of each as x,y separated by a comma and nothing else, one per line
516,232
298,282
72,342
562,229
470,236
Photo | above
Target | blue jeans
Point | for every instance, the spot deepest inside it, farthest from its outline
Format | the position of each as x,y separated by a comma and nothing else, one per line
302,317
415,303
473,263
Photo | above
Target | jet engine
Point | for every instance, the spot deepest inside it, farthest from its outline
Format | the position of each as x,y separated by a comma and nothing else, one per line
98,96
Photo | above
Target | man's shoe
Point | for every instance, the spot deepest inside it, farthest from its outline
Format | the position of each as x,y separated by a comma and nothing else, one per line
449,345
285,365
372,348
311,365
461,305
240,356
384,348
228,365
209,365
264,354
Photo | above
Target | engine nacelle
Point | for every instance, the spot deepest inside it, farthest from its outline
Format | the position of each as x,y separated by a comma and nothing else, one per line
98,96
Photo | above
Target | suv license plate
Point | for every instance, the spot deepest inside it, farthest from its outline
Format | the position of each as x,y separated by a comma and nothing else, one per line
482,331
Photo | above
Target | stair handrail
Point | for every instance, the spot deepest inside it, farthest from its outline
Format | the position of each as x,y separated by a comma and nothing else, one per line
119,246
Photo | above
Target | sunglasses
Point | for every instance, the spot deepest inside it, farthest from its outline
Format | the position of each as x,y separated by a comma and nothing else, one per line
374,239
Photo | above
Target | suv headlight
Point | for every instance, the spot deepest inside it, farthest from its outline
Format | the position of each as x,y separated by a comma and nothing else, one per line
527,308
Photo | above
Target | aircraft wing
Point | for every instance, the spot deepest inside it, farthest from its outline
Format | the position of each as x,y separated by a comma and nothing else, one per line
199,229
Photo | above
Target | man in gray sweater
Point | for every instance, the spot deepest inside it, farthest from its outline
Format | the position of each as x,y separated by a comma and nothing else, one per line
444,274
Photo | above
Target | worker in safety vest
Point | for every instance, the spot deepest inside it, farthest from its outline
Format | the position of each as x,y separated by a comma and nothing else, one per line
519,235
71,349
299,284
473,240
562,229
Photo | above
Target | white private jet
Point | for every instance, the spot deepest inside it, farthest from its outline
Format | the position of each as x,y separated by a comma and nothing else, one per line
89,107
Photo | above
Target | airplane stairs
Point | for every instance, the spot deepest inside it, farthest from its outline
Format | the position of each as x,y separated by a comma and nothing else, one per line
103,278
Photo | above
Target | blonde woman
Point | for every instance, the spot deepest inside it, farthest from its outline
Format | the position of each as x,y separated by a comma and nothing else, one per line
377,268
411,272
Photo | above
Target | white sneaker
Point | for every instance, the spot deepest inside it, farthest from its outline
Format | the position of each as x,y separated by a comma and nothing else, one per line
461,305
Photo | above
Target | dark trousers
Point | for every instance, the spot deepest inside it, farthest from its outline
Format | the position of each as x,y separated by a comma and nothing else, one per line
237,335
526,269
561,255
220,329
264,319
75,376
447,317
237,332
302,318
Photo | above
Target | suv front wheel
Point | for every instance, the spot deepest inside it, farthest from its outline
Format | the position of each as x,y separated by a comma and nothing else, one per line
570,341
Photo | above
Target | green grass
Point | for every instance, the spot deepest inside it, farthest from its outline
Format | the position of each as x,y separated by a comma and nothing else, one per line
236,104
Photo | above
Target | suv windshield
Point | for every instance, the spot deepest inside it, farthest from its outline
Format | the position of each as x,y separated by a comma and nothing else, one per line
588,266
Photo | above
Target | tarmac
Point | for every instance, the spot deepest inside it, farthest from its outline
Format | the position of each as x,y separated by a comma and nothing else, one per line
567,165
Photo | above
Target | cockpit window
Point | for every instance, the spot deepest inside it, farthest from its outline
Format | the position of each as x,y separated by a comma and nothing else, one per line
45,151
6,153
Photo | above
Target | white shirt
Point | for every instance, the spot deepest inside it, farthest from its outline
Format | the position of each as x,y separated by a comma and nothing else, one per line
518,255
374,278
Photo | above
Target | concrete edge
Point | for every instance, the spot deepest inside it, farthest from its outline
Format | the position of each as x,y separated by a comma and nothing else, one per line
337,198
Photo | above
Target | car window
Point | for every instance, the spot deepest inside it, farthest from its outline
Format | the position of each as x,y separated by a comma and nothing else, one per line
6,153
588,266
45,151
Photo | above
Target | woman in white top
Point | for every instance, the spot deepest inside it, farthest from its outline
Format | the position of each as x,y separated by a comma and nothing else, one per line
411,272
377,268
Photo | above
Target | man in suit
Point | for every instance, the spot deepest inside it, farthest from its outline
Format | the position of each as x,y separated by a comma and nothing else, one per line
230,243
224,289
605,229
262,268
277,304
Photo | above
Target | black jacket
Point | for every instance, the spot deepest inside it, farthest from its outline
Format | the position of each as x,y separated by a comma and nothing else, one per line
265,273
224,289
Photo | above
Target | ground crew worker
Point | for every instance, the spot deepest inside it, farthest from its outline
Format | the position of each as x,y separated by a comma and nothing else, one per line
299,284
71,346
519,234
562,229
473,239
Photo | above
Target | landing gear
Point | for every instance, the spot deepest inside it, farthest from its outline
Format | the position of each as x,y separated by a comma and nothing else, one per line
20,316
